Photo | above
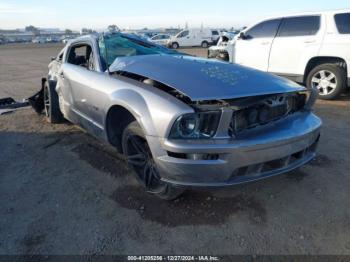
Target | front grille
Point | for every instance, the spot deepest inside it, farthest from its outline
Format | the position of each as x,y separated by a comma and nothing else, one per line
266,111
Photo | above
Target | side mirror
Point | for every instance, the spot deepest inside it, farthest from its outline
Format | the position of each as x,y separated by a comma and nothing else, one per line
53,58
242,36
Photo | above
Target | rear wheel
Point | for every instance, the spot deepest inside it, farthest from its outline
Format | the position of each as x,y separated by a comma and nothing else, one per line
139,156
205,44
329,79
51,104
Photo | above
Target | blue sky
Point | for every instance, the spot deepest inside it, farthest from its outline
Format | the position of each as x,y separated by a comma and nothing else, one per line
98,14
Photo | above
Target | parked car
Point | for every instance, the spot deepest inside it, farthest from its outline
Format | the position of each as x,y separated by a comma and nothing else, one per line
215,35
219,50
160,39
52,39
180,120
192,37
66,39
309,48
39,40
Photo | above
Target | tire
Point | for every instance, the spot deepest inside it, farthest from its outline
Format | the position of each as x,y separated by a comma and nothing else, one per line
175,45
51,104
224,56
329,79
204,44
140,158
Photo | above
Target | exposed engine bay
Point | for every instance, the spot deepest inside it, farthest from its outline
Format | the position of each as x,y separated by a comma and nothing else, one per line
248,112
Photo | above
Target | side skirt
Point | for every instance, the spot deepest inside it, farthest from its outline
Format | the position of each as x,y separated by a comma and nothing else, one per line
296,78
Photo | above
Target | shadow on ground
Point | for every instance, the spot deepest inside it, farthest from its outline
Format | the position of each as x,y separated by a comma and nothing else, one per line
193,208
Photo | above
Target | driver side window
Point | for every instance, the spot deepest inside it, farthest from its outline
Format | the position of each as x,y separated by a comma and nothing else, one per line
81,55
265,29
183,34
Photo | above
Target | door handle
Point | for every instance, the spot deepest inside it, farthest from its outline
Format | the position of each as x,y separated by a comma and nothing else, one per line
265,43
309,41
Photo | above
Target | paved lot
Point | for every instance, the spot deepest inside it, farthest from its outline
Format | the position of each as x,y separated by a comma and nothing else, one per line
63,192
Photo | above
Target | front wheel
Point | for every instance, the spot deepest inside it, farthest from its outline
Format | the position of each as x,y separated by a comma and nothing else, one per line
175,45
139,157
329,79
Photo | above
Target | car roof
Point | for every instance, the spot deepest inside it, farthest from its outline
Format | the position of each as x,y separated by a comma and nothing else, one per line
324,12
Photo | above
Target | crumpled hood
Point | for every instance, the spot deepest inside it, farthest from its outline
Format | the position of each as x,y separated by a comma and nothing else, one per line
203,79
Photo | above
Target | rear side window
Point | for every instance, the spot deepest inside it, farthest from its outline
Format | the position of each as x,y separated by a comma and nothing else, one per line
343,23
265,29
215,32
300,26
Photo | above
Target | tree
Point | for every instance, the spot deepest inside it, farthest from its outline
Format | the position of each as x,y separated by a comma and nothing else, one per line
32,29
113,28
86,31
68,32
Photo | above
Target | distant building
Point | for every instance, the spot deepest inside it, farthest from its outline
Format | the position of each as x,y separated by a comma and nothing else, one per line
20,35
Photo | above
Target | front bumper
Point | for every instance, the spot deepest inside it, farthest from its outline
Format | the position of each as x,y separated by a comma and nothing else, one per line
263,152
220,54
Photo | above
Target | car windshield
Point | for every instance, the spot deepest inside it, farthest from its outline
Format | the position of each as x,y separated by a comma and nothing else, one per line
117,45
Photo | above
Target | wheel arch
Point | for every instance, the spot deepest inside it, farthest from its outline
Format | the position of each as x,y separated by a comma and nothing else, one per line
126,106
318,60
117,119
175,42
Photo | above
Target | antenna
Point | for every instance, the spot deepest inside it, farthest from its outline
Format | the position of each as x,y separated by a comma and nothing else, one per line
106,52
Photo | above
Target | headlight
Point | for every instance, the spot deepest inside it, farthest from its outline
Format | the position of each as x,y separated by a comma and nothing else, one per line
202,125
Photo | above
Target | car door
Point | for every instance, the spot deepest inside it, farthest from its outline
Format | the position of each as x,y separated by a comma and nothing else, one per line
253,48
156,39
184,38
164,39
298,39
80,73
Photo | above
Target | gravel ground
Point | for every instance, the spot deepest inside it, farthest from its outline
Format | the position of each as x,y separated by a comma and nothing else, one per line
63,192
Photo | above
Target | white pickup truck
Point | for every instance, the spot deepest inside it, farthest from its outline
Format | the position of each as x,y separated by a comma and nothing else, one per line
309,48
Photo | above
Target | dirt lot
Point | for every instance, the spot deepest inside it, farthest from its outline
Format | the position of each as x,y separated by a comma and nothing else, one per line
63,192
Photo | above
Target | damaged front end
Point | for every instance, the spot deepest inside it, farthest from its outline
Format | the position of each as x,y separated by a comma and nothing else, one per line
228,117
228,142
234,118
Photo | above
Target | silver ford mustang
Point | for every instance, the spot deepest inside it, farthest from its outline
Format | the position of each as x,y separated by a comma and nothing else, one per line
180,120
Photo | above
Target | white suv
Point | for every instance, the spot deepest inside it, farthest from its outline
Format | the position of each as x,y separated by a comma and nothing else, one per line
310,48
